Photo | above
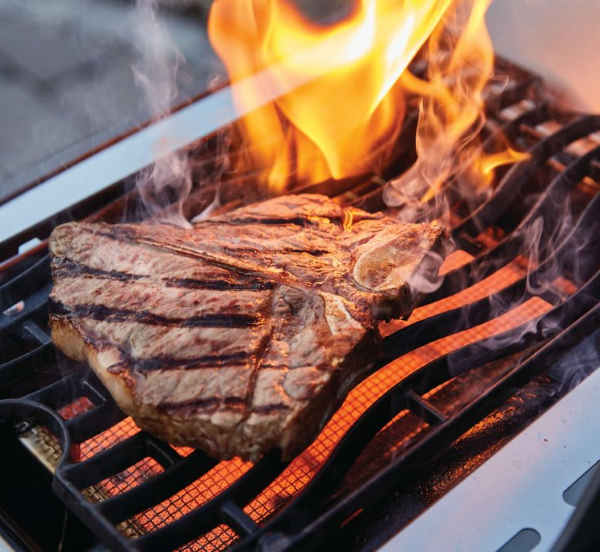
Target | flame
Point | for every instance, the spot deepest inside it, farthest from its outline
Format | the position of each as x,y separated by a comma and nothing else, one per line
460,60
342,107
339,91
486,164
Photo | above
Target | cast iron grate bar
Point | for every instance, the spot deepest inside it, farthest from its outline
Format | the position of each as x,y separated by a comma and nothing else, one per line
33,330
24,364
34,304
510,95
208,515
156,489
57,394
517,177
493,259
239,520
424,409
107,462
20,286
94,421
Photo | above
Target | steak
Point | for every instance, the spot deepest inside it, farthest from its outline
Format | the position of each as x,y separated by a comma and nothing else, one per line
244,332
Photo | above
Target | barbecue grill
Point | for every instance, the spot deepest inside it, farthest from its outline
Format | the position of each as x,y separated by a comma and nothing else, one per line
475,365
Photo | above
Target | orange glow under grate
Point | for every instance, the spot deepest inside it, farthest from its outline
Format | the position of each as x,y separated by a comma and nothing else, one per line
303,468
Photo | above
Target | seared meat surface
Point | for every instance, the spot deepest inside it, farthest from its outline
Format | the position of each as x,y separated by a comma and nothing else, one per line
242,333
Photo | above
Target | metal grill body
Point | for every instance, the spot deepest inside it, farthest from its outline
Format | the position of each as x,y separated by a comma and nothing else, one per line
493,328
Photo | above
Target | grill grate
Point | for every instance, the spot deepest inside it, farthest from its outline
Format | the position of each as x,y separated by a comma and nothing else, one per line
157,497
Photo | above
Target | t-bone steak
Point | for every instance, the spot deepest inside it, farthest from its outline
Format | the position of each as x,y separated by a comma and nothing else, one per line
243,332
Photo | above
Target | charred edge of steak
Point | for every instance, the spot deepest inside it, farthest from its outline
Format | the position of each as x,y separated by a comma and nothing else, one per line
107,314
64,268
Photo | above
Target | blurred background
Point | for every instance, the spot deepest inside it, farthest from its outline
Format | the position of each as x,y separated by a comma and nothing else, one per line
66,79
67,85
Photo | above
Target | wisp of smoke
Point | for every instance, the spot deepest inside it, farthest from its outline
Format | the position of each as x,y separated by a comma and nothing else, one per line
165,186
212,178
574,366
451,113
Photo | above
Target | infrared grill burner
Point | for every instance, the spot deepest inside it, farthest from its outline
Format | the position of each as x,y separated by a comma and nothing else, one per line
476,363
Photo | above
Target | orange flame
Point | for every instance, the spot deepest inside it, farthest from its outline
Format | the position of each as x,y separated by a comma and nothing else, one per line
460,60
336,111
486,164
342,108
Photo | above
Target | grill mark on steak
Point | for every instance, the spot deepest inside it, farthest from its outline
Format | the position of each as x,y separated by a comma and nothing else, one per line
284,366
252,382
108,314
205,361
219,285
270,408
297,221
206,403
287,250
229,403
66,268
125,234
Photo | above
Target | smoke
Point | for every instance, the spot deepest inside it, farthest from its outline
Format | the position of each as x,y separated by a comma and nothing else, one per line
575,365
165,186
209,176
427,278
451,111
555,249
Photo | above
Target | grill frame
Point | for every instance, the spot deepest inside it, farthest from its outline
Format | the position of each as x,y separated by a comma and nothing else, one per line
281,531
